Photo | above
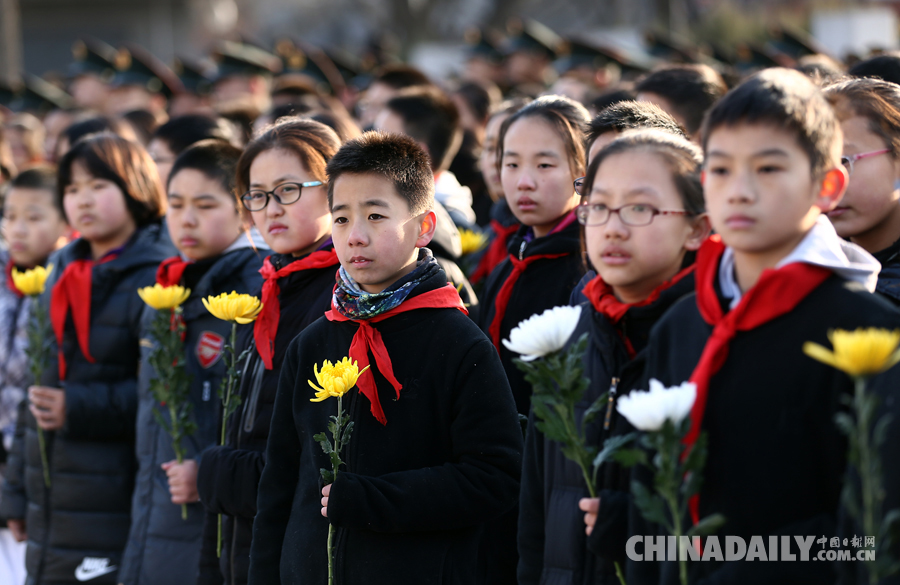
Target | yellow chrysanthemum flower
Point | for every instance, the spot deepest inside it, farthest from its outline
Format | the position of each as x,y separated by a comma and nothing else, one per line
241,309
164,297
31,282
335,379
472,241
859,353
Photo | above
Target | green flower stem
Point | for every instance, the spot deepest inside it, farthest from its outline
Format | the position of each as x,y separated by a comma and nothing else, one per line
229,383
44,462
338,431
176,446
619,572
37,352
567,415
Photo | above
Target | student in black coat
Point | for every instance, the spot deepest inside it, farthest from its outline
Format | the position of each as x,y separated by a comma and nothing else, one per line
541,150
432,458
643,269
298,280
216,255
87,400
778,278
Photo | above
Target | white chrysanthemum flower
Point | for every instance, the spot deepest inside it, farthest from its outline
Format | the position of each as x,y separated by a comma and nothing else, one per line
647,411
542,334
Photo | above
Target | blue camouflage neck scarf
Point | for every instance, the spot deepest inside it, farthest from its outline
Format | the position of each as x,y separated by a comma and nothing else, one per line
354,303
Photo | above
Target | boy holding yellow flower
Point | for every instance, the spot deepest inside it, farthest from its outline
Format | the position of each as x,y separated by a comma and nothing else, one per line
776,277
206,223
435,450
33,227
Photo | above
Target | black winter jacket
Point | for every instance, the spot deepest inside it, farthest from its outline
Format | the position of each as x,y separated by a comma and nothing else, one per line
78,527
163,547
553,548
543,285
228,477
776,459
889,277
411,504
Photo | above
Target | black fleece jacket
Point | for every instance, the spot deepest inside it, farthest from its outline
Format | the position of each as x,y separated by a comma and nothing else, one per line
411,503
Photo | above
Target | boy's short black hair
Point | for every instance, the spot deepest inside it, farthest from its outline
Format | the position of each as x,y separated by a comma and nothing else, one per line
42,178
430,117
631,115
691,89
401,76
183,131
395,157
216,159
481,98
782,98
885,66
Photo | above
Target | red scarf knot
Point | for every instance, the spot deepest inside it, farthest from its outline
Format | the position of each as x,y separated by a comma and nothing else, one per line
605,302
368,339
266,326
171,271
776,293
72,293
503,296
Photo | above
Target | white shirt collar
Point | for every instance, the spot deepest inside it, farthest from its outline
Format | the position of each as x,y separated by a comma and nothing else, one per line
821,246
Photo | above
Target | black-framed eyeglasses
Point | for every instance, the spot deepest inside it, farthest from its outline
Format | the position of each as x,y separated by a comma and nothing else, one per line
284,194
579,185
635,215
848,161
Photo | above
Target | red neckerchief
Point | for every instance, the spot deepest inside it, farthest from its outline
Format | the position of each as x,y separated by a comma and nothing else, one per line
72,292
171,270
496,252
266,325
367,339
519,266
776,293
605,302
10,283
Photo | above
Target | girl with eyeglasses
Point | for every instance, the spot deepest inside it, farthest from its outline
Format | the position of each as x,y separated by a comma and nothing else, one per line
281,181
869,213
642,217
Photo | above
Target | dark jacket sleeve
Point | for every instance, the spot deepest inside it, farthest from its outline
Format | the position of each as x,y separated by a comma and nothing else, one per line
610,533
531,508
278,482
101,411
481,482
228,479
13,502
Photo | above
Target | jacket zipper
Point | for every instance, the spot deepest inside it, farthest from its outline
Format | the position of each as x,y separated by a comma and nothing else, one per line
250,412
522,250
609,405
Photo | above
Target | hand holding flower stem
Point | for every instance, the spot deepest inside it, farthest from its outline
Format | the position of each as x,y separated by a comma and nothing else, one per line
32,283
862,354
662,414
237,309
334,380
171,386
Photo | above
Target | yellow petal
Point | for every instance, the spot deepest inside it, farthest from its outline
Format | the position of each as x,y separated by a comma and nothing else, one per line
859,353
31,282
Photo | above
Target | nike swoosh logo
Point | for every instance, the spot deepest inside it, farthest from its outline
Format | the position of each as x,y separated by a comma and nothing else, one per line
83,574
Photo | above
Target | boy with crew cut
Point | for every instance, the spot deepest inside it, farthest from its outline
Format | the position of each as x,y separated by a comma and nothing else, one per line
776,277
436,451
